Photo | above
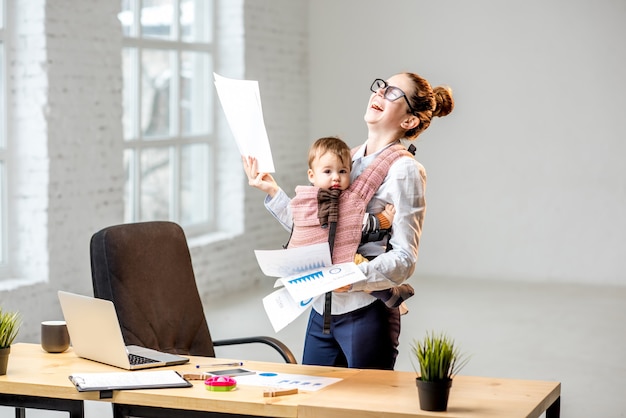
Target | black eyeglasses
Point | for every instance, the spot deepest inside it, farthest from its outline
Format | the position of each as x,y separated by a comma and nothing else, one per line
390,93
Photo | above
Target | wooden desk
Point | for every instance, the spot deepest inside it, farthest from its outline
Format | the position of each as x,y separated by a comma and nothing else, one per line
32,371
361,393
376,393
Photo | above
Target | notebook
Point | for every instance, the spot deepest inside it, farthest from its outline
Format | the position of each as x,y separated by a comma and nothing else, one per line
95,334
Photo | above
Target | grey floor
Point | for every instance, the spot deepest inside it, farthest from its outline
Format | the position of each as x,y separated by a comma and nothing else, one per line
571,334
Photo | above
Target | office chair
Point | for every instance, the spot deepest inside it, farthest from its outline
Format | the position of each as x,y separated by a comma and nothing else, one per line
145,270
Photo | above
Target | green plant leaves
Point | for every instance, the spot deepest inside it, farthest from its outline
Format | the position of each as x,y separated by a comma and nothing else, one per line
438,357
9,326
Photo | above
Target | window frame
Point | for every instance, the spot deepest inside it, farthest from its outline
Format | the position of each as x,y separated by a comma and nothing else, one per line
134,45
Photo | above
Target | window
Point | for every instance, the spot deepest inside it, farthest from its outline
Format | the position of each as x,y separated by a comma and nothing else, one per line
3,146
168,111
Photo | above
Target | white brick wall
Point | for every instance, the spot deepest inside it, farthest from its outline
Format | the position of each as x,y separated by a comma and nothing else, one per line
66,138
84,132
27,85
65,143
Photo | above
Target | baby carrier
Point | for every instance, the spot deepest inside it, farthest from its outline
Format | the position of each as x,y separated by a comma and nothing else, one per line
316,211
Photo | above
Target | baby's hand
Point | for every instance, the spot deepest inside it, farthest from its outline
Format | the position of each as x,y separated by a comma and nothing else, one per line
389,212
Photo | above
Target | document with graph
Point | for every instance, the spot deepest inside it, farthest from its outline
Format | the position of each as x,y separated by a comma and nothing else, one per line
306,285
307,271
292,261
304,273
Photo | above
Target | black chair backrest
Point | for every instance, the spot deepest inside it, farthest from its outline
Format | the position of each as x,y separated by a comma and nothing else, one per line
145,270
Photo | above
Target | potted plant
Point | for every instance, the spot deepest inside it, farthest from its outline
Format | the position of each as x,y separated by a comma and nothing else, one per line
9,326
439,360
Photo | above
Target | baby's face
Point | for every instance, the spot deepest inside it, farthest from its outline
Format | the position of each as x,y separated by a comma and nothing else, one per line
328,172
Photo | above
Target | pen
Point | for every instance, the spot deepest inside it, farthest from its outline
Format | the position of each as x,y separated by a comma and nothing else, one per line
236,363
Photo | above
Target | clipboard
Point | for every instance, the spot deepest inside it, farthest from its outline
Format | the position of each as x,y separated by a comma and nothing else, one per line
107,382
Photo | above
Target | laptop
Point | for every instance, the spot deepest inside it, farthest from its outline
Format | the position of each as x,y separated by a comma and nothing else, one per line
96,335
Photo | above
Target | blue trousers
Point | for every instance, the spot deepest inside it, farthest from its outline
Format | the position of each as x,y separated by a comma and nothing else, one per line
365,339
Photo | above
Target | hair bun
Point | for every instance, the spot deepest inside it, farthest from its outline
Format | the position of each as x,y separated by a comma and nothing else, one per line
444,102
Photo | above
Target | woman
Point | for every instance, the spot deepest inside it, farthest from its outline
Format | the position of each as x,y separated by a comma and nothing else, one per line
364,331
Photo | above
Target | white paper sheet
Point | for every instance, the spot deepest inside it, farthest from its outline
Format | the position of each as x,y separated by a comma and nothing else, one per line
241,102
290,261
287,381
304,273
282,310
316,282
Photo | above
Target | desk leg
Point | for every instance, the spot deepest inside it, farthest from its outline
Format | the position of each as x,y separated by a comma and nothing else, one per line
554,410
73,406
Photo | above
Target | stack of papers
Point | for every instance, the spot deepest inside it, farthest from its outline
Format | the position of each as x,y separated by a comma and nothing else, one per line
305,273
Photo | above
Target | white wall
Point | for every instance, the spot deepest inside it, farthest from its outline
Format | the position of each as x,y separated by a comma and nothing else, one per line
65,113
525,178
64,84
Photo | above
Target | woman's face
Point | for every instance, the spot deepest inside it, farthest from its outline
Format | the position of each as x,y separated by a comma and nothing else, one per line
385,114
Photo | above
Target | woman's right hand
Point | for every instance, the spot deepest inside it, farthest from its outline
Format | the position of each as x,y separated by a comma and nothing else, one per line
262,181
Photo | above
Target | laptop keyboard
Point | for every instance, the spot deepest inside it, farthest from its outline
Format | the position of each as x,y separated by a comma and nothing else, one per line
136,360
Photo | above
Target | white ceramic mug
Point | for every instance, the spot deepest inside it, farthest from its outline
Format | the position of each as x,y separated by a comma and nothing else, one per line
54,336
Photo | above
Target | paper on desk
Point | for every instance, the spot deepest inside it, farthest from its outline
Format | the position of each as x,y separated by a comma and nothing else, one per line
128,380
241,102
287,381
